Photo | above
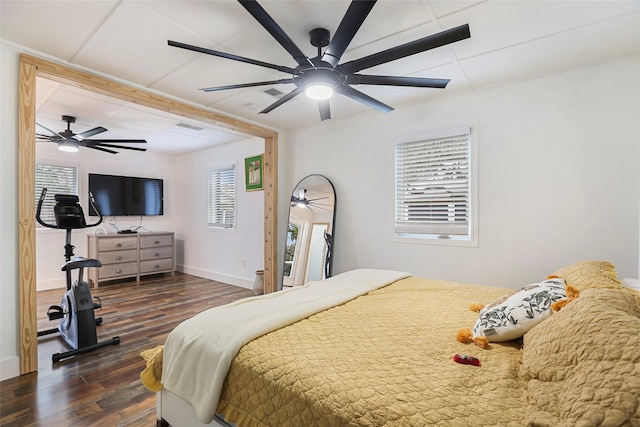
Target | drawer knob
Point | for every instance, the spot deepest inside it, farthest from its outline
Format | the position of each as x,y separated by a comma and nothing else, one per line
156,266
118,245
157,242
156,254
118,271
118,258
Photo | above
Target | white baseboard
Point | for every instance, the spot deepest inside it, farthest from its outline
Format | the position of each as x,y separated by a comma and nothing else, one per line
45,285
212,275
9,368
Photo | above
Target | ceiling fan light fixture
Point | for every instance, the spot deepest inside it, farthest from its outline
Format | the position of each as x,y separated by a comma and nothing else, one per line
319,91
68,146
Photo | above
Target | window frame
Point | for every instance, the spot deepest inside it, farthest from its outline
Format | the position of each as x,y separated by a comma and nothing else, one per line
471,238
219,225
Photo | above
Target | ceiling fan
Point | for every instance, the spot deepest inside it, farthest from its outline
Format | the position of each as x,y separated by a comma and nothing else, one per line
301,201
319,77
69,141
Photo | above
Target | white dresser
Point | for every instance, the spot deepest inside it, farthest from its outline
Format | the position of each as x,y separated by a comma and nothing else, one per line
131,255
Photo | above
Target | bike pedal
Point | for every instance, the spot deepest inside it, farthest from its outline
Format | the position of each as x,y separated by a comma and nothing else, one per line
55,312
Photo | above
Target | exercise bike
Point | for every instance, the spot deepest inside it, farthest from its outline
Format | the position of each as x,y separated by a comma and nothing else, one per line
77,310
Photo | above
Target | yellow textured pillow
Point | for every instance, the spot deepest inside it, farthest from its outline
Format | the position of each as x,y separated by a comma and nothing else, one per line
589,274
581,364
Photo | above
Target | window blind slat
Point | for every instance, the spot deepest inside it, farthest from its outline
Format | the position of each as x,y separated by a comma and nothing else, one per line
433,186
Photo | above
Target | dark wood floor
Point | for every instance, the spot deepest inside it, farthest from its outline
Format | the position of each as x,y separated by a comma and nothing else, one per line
103,388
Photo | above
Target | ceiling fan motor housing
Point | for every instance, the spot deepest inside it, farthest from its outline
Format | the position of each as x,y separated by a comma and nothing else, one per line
317,76
319,37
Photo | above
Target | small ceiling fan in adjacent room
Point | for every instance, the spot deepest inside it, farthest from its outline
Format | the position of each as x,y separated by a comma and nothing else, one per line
321,76
301,201
69,141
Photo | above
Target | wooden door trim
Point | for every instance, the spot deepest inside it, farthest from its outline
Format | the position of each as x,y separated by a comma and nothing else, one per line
30,67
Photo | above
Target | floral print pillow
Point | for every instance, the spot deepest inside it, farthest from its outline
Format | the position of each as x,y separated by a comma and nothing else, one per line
511,318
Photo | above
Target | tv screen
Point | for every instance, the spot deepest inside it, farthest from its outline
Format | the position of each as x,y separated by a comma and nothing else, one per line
126,195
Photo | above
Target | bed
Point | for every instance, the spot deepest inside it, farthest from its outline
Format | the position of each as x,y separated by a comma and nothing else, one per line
375,347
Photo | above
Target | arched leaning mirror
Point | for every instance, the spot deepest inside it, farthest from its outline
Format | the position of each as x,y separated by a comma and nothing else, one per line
310,232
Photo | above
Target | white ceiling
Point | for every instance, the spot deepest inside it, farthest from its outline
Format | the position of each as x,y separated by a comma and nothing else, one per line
164,132
510,40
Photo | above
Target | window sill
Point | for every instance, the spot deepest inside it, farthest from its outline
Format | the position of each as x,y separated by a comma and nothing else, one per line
435,241
222,229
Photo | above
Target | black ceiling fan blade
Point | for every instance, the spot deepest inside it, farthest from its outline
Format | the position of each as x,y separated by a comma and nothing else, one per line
349,26
232,57
363,98
54,138
97,147
426,43
123,147
276,32
241,85
109,141
91,132
320,207
282,100
53,134
325,110
364,79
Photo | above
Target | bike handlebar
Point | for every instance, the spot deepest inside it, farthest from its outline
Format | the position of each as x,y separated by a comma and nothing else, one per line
91,201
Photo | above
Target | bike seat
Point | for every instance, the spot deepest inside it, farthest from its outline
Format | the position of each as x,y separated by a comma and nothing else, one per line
80,262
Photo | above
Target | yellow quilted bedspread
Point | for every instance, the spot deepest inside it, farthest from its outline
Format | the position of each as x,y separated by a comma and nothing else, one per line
384,359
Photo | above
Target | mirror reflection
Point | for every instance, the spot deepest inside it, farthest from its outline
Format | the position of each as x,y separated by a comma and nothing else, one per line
309,240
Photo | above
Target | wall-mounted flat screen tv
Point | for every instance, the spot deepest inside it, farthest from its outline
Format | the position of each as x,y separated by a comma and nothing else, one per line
126,195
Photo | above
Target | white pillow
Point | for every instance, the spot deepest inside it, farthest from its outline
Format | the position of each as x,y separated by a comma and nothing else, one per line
509,319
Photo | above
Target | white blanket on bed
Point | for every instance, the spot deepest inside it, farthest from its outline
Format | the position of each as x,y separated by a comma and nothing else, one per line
198,353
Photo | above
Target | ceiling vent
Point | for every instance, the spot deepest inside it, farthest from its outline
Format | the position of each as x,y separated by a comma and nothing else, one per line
274,92
188,126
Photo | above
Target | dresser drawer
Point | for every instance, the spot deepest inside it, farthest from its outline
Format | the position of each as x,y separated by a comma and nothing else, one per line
113,257
156,253
153,266
116,243
114,271
154,241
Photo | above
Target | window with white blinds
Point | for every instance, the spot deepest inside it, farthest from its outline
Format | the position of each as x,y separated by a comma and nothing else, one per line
222,198
56,179
433,187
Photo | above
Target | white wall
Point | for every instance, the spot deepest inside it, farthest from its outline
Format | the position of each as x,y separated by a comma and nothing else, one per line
9,299
50,243
558,177
223,255
228,256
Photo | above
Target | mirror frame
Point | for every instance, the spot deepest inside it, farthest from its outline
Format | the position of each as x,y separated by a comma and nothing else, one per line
30,67
327,266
